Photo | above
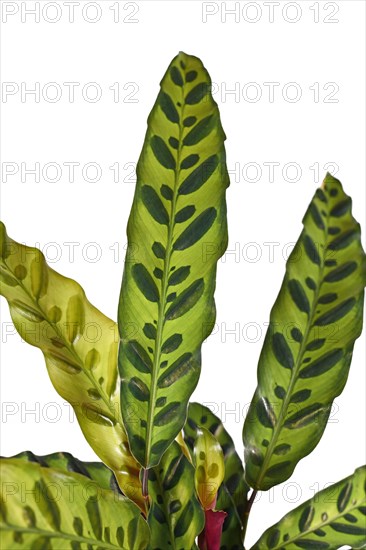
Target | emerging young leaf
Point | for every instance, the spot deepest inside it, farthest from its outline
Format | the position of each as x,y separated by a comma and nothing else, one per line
210,467
50,508
176,233
233,492
308,348
175,517
80,346
332,518
97,471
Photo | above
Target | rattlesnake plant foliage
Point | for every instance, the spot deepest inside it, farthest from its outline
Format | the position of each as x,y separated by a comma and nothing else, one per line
130,392
175,517
97,471
80,346
176,233
308,347
232,495
334,517
51,508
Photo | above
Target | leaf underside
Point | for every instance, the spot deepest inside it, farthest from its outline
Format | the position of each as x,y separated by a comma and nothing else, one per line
44,508
332,518
233,492
176,232
80,346
308,348
175,517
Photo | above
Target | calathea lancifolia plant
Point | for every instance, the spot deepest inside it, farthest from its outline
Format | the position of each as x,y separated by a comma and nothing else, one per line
170,476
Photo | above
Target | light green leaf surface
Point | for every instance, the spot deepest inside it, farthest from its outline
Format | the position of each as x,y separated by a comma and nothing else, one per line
209,467
97,471
52,509
80,346
233,492
308,348
333,518
175,517
176,232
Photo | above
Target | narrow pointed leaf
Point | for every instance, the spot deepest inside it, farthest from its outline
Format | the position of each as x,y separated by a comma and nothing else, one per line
178,227
80,346
333,518
233,492
308,348
52,508
175,517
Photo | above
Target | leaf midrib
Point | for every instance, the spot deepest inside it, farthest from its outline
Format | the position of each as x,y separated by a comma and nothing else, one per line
295,371
58,535
164,287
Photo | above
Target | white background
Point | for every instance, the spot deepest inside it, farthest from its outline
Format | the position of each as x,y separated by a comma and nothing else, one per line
318,128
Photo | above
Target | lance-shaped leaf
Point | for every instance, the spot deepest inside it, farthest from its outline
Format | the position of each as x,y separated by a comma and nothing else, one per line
333,518
176,233
97,471
80,346
307,352
175,517
233,492
50,508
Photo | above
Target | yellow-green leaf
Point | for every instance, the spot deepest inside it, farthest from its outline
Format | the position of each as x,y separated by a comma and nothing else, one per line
210,467
80,346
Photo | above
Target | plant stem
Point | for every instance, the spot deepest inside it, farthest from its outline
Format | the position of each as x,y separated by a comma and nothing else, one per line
247,510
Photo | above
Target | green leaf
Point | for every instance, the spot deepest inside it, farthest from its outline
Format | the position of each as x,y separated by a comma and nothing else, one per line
178,230
80,346
332,518
233,492
175,517
308,348
51,507
97,471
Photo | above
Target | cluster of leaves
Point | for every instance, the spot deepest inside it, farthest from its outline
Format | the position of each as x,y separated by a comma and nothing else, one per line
170,476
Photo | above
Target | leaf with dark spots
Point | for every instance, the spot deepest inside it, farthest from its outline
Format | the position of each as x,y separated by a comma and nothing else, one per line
145,282
168,107
154,205
341,272
181,367
197,93
185,300
189,121
300,396
150,331
47,504
344,240
166,192
176,76
138,356
282,351
191,75
304,417
172,343
344,496
196,230
158,250
173,473
341,208
184,521
322,364
315,344
201,130
92,508
189,161
278,468
311,250
199,176
167,414
306,518
336,313
317,219
162,153
298,295
327,298
185,213
265,413
179,275
139,389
